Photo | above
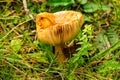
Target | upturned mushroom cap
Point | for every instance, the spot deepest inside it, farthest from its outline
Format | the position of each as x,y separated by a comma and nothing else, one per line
60,27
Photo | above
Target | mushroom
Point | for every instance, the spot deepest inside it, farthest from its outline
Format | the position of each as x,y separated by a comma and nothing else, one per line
57,28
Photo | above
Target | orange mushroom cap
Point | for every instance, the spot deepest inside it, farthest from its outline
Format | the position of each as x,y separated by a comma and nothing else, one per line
60,27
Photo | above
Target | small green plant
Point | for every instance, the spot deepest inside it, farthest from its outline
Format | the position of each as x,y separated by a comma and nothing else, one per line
85,41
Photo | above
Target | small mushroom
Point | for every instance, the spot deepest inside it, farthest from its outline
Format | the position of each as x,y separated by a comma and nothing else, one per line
57,28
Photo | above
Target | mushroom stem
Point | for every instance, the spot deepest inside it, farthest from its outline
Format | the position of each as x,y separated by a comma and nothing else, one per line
59,53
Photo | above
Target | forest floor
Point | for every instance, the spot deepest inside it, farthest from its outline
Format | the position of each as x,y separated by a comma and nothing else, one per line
93,55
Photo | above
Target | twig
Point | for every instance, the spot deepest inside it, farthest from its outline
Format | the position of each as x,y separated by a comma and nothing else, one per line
14,67
27,34
13,30
27,10
8,18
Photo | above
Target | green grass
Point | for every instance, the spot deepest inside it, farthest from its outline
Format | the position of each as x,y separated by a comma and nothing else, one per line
96,49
